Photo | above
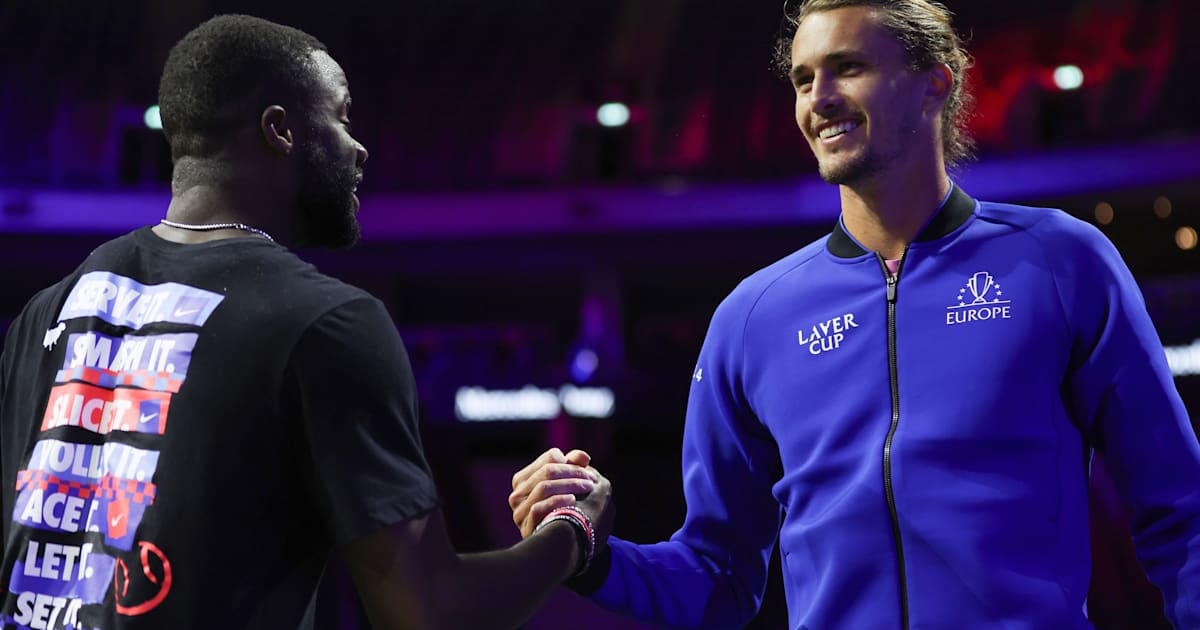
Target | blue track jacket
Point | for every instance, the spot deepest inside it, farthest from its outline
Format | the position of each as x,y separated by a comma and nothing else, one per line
921,447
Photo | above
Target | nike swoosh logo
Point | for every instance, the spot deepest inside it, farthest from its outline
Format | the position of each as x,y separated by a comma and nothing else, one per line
116,520
182,313
52,335
143,419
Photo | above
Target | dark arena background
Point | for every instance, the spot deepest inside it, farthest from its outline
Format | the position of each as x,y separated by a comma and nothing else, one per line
559,193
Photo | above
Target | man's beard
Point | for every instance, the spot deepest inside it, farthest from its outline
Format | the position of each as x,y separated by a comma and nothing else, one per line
870,162
854,170
327,200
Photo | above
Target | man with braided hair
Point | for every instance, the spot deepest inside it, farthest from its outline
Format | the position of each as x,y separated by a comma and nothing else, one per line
909,405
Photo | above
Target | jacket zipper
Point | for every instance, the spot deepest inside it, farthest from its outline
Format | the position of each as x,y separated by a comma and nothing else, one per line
892,281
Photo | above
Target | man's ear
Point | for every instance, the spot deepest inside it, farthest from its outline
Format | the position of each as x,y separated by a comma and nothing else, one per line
275,130
940,83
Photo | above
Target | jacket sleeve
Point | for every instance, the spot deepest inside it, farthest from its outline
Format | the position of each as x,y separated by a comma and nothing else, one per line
1124,398
713,571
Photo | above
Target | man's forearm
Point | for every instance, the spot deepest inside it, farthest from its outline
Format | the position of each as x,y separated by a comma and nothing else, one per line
409,576
507,586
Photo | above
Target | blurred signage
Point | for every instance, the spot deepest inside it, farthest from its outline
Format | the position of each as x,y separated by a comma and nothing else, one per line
478,404
1184,360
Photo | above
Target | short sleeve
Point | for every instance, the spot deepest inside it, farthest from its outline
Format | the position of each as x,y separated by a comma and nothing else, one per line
350,382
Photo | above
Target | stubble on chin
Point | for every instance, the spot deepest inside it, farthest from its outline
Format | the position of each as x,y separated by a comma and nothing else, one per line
847,172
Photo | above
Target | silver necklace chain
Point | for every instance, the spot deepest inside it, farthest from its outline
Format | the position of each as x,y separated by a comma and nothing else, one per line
208,227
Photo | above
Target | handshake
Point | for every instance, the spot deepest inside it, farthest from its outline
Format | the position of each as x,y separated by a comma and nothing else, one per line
557,486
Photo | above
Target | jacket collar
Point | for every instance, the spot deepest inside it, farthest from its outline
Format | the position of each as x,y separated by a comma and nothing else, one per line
958,208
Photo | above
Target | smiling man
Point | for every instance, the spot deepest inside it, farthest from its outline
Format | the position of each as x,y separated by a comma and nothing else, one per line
927,465
195,419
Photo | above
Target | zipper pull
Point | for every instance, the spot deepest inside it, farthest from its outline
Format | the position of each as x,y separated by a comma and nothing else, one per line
891,289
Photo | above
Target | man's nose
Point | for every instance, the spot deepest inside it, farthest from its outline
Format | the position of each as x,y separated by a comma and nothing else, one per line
826,93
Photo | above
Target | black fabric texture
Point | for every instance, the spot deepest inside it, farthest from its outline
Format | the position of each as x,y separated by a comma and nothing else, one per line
187,431
957,209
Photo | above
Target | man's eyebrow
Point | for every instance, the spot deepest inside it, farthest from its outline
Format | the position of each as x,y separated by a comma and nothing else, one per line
831,58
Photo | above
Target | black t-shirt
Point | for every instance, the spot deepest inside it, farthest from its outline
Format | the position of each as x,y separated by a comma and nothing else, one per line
187,430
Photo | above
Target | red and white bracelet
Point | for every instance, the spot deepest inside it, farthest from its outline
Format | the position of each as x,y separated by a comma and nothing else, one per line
584,527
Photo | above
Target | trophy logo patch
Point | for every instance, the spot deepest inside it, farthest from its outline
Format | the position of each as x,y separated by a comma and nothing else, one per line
981,299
